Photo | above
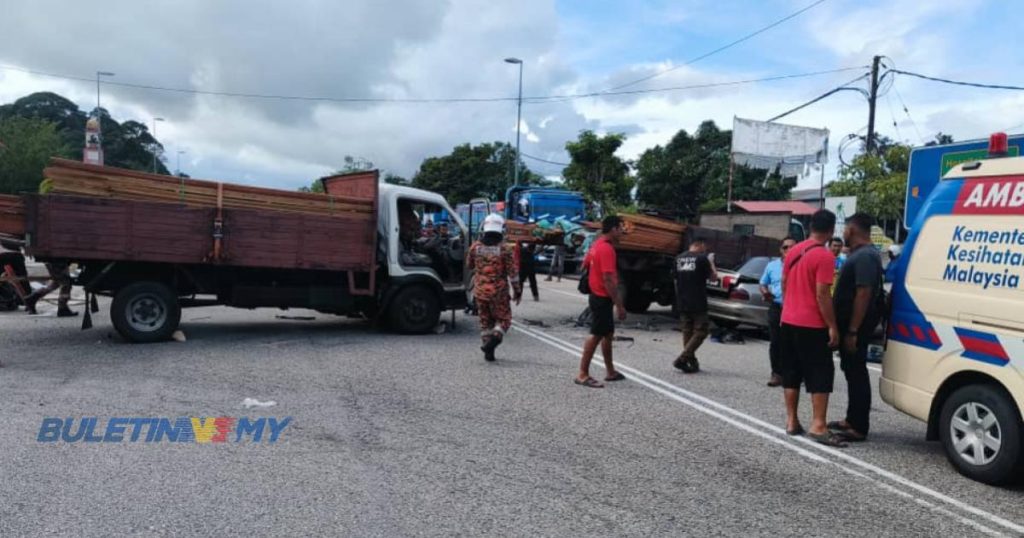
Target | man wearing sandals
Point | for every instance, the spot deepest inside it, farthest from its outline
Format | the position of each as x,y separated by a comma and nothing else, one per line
809,332
605,302
856,302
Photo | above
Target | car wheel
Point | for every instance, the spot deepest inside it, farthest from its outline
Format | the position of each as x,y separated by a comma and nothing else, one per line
145,312
415,310
980,429
726,323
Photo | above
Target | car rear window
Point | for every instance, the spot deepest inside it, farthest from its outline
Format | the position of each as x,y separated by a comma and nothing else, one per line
754,267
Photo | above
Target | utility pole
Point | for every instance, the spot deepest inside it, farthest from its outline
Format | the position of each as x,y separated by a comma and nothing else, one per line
519,113
872,97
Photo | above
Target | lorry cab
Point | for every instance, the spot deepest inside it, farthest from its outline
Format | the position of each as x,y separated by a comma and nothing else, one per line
530,204
955,340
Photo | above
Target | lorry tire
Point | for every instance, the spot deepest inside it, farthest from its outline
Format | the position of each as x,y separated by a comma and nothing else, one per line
980,429
638,300
414,310
145,312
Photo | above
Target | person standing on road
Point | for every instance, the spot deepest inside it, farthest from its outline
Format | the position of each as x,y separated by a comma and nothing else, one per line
528,267
493,263
857,307
604,297
771,290
557,263
693,269
809,331
60,277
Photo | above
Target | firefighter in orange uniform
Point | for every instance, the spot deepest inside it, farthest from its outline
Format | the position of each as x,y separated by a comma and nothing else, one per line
494,266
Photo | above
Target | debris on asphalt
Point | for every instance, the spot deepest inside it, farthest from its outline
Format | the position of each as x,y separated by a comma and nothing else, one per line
441,328
249,403
296,318
624,339
178,336
534,322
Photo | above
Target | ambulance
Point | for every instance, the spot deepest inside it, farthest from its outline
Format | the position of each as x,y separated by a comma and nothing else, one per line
954,354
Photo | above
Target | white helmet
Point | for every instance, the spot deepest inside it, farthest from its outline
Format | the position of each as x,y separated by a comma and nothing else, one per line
494,223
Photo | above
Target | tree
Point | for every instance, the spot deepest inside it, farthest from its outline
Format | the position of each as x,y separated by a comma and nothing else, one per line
878,181
468,172
125,145
596,172
691,174
394,179
27,145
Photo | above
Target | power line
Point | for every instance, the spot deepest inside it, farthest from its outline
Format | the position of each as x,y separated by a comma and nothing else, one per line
837,89
959,82
543,160
720,49
536,99
907,112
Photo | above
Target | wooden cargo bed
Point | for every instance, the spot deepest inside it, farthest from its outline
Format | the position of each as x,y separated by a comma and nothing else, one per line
86,228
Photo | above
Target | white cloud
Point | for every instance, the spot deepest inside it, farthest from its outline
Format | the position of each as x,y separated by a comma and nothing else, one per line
432,49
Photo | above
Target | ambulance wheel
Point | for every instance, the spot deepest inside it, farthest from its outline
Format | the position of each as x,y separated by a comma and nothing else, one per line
145,312
980,429
414,310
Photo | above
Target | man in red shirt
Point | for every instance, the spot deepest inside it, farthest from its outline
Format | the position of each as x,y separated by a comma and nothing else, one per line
603,278
809,332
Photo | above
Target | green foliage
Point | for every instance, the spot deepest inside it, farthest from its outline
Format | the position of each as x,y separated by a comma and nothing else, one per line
596,172
878,181
394,179
690,175
468,172
125,145
27,145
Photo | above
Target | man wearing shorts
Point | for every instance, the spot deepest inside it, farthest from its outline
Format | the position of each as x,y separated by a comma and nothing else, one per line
605,302
809,332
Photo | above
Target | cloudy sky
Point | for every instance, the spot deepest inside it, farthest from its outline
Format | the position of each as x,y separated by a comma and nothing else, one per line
440,49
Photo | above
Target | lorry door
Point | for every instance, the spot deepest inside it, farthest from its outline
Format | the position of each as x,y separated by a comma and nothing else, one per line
479,208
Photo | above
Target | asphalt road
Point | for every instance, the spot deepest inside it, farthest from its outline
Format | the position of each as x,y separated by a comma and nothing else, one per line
418,436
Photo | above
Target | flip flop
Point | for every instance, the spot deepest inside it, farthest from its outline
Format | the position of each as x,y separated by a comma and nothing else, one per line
617,377
827,439
589,382
799,430
846,432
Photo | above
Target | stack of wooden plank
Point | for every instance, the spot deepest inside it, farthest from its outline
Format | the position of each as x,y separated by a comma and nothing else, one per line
12,216
520,232
80,179
652,234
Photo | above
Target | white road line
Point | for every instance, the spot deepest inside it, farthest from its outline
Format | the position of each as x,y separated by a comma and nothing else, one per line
579,295
714,408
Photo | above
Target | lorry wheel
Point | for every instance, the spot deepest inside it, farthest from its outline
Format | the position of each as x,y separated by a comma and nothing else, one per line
981,432
145,312
414,310
638,301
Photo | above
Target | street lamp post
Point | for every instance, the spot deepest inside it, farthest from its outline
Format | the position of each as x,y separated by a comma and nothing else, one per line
98,75
155,120
519,112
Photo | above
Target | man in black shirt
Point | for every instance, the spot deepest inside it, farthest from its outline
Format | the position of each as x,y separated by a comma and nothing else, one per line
693,270
528,267
857,306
